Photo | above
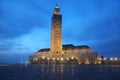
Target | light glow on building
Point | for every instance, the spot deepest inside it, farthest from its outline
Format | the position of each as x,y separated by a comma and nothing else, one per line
72,57
62,59
43,57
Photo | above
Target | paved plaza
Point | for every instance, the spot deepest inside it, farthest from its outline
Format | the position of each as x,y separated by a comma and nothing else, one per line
60,72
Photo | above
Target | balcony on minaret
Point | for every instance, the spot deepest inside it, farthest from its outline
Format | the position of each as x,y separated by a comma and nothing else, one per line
57,10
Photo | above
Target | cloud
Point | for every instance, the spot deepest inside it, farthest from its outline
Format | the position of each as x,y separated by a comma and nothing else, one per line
18,18
22,47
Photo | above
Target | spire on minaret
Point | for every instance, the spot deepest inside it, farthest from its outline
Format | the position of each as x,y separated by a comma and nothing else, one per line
56,6
57,10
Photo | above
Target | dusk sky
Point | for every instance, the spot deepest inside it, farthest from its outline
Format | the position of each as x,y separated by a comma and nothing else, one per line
25,26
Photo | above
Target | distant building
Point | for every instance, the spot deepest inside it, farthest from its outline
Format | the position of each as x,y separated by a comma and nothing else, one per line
63,54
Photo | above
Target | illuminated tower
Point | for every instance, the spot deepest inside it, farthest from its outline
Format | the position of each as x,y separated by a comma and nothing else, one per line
56,32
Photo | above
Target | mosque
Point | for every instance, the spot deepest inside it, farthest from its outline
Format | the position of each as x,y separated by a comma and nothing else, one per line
63,54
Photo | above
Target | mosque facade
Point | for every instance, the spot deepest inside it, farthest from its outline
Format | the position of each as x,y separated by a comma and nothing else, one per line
63,54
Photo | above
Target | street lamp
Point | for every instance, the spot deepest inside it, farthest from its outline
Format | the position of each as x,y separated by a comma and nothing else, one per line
111,59
53,58
115,59
105,58
48,58
57,58
67,58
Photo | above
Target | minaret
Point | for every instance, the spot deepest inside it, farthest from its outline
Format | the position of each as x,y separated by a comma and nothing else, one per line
56,32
